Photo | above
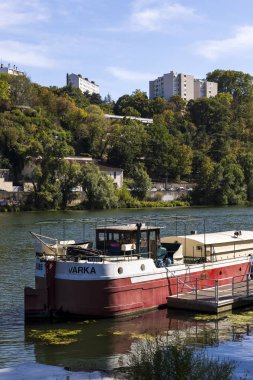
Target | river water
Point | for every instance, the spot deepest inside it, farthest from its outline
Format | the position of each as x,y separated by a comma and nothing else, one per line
33,351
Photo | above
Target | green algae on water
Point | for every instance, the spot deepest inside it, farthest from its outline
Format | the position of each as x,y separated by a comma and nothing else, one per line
55,337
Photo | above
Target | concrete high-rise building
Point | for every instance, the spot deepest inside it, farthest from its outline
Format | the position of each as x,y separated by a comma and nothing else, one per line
76,80
185,86
172,84
204,89
10,70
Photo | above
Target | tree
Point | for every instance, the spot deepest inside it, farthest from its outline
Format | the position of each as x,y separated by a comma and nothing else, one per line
177,104
73,93
128,145
159,156
183,163
108,104
141,182
48,189
21,90
246,162
213,118
91,132
68,175
98,187
158,106
224,185
4,90
237,83
136,103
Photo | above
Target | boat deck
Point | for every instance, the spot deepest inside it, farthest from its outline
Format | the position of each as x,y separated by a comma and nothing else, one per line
216,299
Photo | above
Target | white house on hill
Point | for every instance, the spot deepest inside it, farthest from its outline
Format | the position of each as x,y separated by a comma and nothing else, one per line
115,173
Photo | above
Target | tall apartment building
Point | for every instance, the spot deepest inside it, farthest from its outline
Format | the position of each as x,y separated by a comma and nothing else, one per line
185,86
76,80
10,70
204,89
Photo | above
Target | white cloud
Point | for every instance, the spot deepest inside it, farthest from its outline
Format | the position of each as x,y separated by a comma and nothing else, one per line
26,54
127,75
150,15
22,12
214,49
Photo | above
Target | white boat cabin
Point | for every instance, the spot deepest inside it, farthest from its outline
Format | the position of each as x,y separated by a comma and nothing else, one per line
211,246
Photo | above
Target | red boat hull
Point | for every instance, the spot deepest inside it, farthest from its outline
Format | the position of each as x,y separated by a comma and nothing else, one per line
117,297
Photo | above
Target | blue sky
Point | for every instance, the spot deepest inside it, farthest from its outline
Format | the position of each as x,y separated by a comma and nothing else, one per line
122,44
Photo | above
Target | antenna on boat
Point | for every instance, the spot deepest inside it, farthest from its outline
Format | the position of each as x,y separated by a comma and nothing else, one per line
138,237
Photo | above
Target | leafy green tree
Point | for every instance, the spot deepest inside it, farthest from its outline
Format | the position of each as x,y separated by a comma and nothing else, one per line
108,104
4,95
21,90
237,83
73,93
125,198
159,155
47,175
157,106
246,162
92,133
213,119
136,103
177,104
68,175
224,185
94,98
183,161
203,173
229,184
128,145
130,111
98,187
141,182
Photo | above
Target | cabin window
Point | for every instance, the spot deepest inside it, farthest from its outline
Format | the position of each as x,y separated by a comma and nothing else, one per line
120,270
199,247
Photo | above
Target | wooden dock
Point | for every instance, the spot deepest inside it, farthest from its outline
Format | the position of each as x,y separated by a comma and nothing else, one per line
197,295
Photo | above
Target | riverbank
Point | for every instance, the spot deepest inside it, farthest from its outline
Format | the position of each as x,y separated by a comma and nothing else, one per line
136,204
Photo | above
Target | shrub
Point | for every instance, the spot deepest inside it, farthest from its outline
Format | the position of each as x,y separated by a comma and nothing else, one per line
155,359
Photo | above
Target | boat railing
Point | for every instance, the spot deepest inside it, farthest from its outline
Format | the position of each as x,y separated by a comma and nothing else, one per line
215,290
51,245
91,259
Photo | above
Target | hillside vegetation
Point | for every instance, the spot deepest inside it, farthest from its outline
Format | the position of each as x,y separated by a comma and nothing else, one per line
207,141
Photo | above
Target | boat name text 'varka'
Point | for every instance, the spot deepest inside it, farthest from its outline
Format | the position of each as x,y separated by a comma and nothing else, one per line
83,270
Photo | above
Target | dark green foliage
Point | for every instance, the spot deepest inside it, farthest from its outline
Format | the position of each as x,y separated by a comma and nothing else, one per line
136,104
155,359
159,152
128,145
141,182
98,187
237,83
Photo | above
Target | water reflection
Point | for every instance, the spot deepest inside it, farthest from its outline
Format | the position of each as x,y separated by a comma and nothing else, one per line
105,344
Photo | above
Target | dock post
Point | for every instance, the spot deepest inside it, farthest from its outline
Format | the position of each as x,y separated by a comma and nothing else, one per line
177,287
217,291
233,287
196,289
247,285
